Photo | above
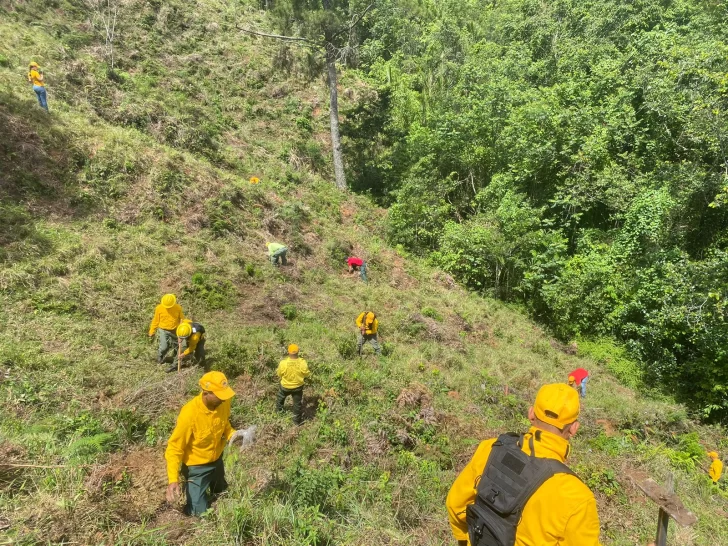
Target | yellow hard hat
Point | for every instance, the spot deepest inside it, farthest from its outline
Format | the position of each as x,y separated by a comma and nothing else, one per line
168,300
184,329
713,454
293,349
34,64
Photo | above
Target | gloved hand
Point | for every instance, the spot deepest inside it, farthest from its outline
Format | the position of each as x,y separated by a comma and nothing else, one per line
237,435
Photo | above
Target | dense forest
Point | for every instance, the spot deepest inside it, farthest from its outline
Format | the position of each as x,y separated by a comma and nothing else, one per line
566,155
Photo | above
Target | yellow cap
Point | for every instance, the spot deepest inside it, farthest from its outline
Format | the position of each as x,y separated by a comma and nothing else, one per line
168,301
184,329
571,379
293,349
217,384
33,64
557,404
713,454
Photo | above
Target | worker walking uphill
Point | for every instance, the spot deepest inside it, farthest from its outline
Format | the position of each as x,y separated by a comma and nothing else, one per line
368,326
35,77
192,336
292,371
167,316
517,490
277,253
195,448
357,264
578,379
716,467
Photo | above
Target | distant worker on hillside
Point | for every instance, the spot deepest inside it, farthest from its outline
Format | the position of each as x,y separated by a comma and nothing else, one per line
517,490
195,447
35,77
357,264
716,467
292,371
578,379
192,336
167,316
368,325
277,253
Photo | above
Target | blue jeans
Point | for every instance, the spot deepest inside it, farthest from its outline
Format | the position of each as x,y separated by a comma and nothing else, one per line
42,96
583,386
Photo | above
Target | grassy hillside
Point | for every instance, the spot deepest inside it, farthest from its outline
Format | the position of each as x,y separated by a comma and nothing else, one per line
138,184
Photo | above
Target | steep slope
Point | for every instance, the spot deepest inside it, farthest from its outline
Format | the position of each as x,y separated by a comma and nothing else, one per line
138,183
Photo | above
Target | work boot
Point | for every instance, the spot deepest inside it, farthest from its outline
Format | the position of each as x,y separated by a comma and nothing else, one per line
172,368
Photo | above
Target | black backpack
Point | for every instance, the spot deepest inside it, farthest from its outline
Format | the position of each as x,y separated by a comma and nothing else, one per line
509,479
197,327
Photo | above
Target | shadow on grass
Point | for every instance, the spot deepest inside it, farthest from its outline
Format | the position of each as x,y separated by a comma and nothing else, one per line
38,162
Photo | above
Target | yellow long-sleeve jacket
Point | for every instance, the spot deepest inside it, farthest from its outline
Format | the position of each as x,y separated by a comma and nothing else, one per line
372,323
562,512
35,77
292,372
192,341
166,319
716,469
199,437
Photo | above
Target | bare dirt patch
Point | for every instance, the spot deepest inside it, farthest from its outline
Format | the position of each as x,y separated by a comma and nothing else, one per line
132,484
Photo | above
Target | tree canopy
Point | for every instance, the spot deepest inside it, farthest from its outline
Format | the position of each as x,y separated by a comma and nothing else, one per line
569,155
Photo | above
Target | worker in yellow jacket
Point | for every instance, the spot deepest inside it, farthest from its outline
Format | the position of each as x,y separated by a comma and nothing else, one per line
167,316
192,337
36,78
716,467
562,511
195,448
292,371
368,326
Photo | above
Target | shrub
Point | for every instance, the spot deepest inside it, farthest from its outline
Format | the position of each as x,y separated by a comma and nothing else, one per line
214,294
346,346
605,351
432,313
309,486
231,358
337,251
289,311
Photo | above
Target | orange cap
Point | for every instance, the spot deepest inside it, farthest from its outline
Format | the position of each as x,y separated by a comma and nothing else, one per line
217,384
293,349
571,379
557,404
713,454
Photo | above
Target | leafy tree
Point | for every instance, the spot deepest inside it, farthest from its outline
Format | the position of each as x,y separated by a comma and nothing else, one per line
328,27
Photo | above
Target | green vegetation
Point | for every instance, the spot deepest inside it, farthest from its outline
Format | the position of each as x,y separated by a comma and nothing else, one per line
567,155
138,183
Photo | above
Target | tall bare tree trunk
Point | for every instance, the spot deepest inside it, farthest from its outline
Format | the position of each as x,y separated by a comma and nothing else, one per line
334,117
